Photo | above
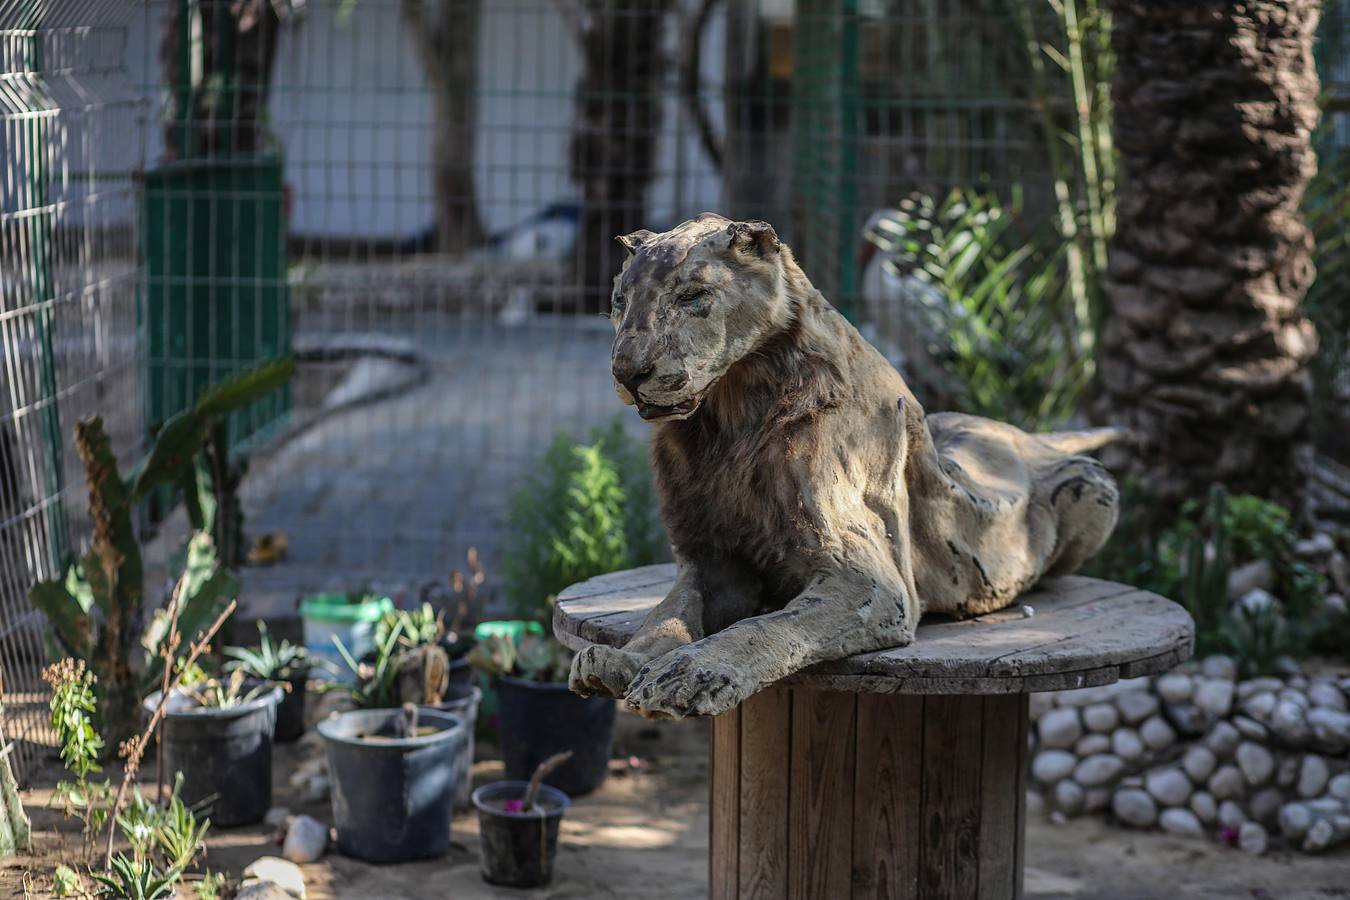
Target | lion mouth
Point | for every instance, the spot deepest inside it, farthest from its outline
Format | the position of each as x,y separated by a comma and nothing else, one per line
651,412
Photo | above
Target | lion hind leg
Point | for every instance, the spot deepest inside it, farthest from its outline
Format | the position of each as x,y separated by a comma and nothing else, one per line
1086,505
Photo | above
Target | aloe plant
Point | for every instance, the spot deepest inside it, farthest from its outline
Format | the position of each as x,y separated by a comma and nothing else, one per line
94,608
270,661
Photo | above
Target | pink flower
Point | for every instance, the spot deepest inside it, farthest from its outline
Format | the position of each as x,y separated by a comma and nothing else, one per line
1229,837
514,806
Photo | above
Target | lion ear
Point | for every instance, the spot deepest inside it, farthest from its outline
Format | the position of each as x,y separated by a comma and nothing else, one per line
635,241
754,237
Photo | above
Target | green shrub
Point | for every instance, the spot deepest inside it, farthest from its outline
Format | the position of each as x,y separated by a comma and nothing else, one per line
586,511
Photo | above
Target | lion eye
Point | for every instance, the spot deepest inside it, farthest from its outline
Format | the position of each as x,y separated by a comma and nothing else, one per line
695,296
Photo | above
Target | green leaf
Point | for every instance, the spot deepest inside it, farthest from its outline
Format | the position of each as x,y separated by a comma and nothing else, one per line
65,614
175,444
238,391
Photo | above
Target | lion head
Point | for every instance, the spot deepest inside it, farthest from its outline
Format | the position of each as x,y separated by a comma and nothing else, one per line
688,305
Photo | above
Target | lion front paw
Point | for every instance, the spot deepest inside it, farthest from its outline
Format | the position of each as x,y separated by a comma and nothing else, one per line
686,683
602,670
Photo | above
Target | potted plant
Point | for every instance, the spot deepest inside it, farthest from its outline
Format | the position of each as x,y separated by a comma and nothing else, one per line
218,734
518,825
587,510
393,767
419,631
539,717
285,664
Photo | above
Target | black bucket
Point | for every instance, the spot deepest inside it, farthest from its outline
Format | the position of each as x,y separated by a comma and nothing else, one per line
518,848
461,672
462,700
291,712
392,797
225,754
536,720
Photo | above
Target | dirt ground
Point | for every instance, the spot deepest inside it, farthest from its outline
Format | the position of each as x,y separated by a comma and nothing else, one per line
645,834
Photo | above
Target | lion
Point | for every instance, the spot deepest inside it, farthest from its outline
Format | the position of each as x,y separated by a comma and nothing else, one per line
814,510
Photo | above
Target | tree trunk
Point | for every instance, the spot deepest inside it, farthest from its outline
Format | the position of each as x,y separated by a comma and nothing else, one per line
238,49
1204,346
446,43
615,127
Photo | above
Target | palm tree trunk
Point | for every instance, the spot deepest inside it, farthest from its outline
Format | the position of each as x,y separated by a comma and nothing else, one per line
1204,348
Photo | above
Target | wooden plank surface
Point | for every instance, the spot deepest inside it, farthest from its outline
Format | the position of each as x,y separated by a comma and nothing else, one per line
1002,792
886,797
766,735
725,807
949,823
820,796
1084,632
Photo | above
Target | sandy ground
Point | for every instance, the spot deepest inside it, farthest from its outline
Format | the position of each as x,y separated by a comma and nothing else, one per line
645,834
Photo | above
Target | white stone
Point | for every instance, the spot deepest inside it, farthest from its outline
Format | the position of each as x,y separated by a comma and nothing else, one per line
1050,766
1039,704
1323,693
280,872
1204,806
1315,547
1257,685
1098,770
1313,776
1330,728
256,889
1247,578
1295,696
1256,762
1251,729
1231,815
1264,805
1335,605
306,839
1215,696
1252,838
1295,820
1290,723
315,789
1170,787
1286,773
1227,784
1103,718
1219,666
1187,718
1089,744
1028,611
1257,601
1134,807
1199,763
1339,787
1060,728
1126,744
1260,705
1136,706
277,817
1174,687
1181,821
1069,797
1157,734
1223,739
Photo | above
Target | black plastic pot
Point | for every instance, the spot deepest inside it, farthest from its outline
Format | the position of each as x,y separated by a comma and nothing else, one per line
291,711
225,754
518,848
535,721
392,797
462,700
461,672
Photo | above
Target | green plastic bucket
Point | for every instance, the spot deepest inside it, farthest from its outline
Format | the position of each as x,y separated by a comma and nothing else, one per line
346,618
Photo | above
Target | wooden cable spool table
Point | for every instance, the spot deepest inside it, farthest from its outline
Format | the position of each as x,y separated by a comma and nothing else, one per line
898,773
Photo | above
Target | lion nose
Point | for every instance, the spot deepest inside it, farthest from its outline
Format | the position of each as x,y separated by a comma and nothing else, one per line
631,373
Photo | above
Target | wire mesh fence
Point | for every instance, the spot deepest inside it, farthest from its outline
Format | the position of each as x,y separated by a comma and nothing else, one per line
418,198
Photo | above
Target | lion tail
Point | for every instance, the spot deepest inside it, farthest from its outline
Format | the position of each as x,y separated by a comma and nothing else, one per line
1084,441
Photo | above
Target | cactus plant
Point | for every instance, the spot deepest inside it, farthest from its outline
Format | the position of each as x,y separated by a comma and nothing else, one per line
95,609
14,828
